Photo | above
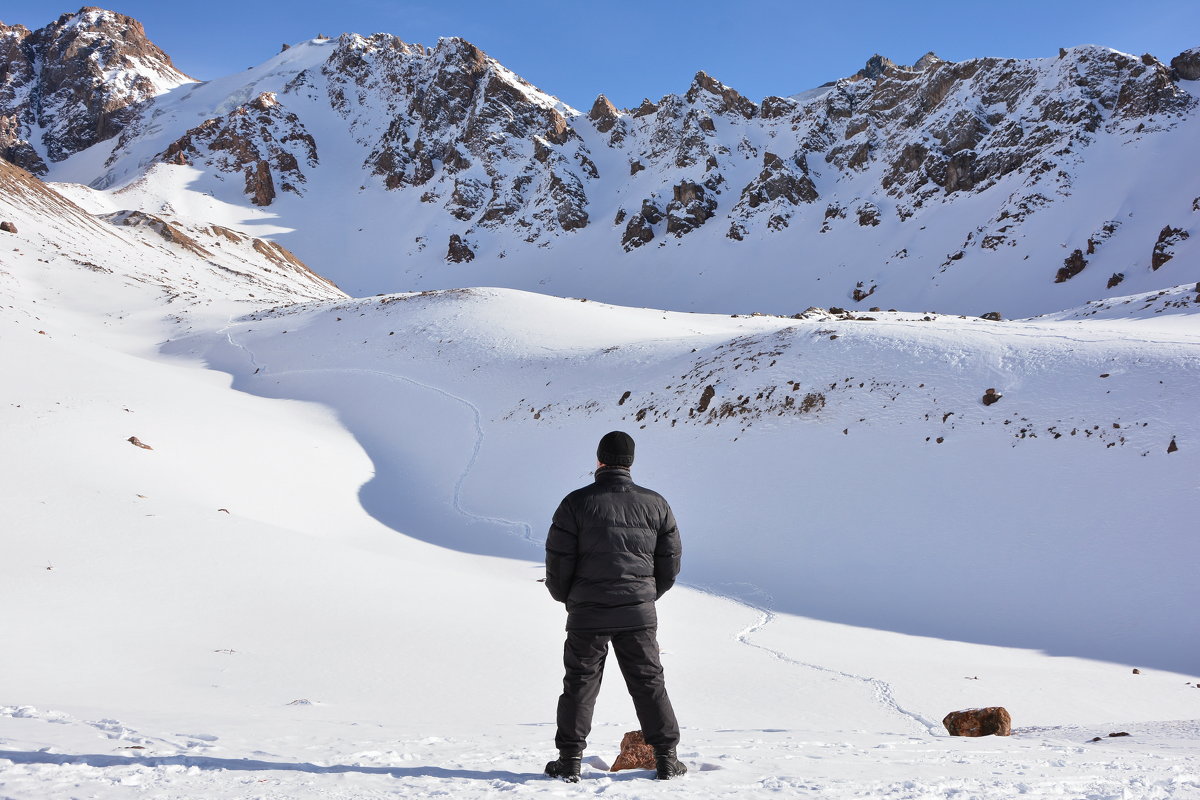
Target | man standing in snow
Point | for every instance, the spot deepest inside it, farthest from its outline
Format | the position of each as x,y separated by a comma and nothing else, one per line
613,549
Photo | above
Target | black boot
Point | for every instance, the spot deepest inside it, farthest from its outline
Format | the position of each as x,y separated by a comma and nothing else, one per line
667,764
565,767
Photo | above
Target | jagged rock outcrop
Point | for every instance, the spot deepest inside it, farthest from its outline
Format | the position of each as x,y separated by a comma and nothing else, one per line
1164,250
260,140
80,80
459,251
690,207
777,189
728,99
1187,64
1072,266
603,114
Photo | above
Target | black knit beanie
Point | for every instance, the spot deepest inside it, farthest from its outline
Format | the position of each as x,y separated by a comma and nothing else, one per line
616,449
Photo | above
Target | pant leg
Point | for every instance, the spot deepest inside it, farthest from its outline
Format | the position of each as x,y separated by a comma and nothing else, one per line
638,656
583,658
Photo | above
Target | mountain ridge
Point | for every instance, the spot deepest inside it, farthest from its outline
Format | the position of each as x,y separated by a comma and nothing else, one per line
925,186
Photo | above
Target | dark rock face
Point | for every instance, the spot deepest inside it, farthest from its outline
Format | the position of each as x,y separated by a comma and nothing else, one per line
877,66
458,251
603,114
1164,248
1072,266
81,79
776,191
1187,64
8,227
728,100
260,140
993,721
690,207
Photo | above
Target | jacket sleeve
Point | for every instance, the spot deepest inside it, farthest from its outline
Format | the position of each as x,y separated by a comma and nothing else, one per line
668,551
562,545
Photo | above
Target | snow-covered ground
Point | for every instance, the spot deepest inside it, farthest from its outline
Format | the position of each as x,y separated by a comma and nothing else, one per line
321,581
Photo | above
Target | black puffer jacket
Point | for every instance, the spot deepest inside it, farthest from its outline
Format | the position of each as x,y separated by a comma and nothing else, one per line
613,549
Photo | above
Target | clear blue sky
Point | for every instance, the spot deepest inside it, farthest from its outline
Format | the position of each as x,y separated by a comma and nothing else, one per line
628,50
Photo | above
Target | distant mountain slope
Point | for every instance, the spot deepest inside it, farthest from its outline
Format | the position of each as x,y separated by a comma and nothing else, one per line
1020,186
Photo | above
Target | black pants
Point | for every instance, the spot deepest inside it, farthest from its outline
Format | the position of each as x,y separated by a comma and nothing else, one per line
637,655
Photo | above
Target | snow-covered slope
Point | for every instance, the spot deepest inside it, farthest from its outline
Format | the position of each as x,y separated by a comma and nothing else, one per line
992,184
321,579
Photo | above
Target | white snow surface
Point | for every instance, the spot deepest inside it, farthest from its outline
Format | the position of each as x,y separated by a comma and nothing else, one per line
321,582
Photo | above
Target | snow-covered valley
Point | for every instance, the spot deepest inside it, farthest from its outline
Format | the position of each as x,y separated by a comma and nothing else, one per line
321,581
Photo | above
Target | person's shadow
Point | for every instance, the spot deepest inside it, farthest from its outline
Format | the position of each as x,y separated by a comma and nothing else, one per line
254,765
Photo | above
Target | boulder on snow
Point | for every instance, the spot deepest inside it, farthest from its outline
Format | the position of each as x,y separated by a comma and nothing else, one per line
991,721
990,396
635,753
994,316
8,227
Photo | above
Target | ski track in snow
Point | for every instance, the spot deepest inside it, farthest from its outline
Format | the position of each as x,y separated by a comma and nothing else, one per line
882,690
526,530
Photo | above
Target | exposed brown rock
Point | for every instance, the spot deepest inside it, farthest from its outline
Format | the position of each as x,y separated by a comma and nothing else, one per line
8,227
80,80
603,114
877,66
868,215
1115,280
775,107
1172,447
689,208
459,251
136,442
1072,266
994,316
990,396
1164,247
992,721
260,139
638,231
259,184
730,100
635,753
645,109
1187,64
780,180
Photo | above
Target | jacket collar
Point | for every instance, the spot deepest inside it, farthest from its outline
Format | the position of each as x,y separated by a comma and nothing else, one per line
611,475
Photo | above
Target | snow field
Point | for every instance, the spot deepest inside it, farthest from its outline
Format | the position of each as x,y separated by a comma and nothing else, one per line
321,582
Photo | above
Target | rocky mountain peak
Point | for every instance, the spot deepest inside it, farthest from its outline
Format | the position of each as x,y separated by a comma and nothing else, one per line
926,61
729,100
603,113
75,82
876,67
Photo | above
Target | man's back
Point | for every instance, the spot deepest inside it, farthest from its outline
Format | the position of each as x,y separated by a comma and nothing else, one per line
612,550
